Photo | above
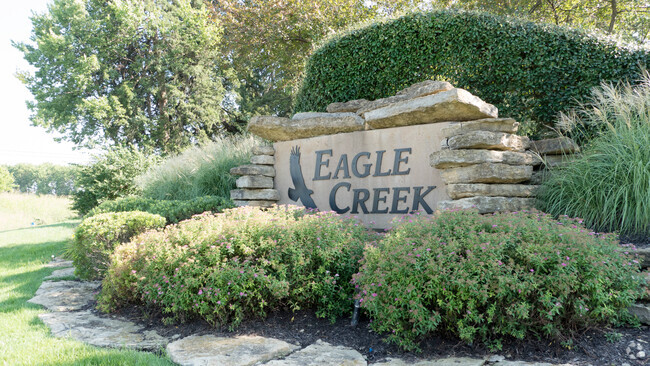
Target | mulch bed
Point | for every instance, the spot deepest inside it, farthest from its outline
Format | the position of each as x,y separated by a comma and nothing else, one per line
590,347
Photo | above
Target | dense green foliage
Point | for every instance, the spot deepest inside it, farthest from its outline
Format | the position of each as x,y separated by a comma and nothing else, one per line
607,184
141,72
109,176
44,178
97,236
240,264
6,180
198,171
486,277
172,210
529,71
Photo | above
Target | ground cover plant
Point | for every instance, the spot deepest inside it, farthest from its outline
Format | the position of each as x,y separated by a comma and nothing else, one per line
505,61
198,171
614,167
97,236
484,278
172,210
24,253
240,264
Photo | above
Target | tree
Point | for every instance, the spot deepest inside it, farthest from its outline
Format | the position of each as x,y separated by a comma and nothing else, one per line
6,180
268,41
138,72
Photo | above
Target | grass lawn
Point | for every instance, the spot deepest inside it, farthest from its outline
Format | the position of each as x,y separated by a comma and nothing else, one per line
24,340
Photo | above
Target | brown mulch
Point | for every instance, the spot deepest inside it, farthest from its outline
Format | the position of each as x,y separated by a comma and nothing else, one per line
590,347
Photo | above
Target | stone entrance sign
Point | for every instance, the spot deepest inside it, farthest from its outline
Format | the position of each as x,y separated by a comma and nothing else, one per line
377,175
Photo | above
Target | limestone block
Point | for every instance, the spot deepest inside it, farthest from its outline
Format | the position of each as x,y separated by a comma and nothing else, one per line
489,140
263,159
65,295
255,194
351,106
98,331
457,191
553,161
450,361
489,204
263,150
254,181
445,159
505,125
265,170
487,173
451,105
556,146
240,351
61,273
255,203
538,177
304,125
322,354
641,311
425,88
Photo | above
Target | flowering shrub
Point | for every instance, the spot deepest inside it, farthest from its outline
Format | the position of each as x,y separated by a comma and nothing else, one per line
486,277
241,263
97,236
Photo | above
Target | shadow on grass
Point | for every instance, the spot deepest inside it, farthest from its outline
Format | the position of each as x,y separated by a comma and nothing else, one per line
71,224
23,287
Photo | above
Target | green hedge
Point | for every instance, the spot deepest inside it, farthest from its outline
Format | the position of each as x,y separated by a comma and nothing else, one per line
172,210
97,236
529,71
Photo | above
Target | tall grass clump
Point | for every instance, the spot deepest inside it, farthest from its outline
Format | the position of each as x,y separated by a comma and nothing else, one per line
609,184
198,171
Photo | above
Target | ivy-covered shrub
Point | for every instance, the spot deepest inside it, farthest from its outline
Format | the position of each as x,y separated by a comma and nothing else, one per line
239,264
483,278
97,236
109,176
529,71
172,210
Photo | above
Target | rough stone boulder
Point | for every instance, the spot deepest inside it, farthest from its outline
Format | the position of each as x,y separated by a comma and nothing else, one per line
255,194
65,295
450,105
457,191
641,311
487,173
254,181
263,160
505,125
488,204
644,256
265,170
101,332
351,106
556,146
445,159
239,351
489,140
304,125
322,354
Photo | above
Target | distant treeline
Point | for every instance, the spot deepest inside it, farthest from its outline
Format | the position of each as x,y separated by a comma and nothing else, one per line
44,178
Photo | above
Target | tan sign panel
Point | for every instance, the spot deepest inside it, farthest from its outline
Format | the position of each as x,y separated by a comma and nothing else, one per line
376,175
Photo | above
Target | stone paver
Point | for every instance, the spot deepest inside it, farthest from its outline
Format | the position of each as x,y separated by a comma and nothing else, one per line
59,263
87,327
65,295
322,354
61,273
239,351
452,361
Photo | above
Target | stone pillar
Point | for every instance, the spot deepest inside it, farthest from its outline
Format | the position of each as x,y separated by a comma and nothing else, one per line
485,166
255,184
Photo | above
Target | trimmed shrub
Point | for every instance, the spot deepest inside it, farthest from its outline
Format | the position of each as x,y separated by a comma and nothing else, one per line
97,236
240,264
529,71
109,176
172,210
483,278
198,171
608,185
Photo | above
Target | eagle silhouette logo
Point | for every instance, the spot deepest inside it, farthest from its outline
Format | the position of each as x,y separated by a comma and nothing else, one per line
300,190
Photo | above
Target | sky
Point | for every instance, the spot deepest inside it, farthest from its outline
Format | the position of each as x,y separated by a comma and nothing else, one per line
20,142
